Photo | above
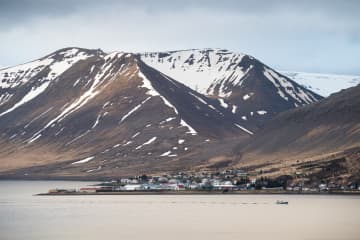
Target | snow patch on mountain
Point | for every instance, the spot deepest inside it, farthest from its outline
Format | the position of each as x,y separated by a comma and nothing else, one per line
38,117
323,84
70,58
285,88
261,112
198,98
135,135
4,98
96,121
191,130
244,129
165,154
246,97
83,99
14,76
223,103
199,69
151,91
85,160
33,93
219,72
151,140
133,110
18,75
234,108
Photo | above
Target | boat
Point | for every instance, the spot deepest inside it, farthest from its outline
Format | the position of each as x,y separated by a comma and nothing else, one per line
281,202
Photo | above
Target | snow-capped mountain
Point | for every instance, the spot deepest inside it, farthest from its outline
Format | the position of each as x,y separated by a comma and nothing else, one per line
26,81
323,84
80,112
86,112
253,91
200,69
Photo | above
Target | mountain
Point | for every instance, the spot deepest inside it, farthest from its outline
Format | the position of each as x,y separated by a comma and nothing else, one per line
321,140
323,84
252,90
89,114
83,112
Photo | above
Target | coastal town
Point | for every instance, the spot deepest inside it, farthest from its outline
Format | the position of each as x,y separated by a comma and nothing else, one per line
226,181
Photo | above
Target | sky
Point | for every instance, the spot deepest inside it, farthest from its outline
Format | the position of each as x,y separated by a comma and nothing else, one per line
311,36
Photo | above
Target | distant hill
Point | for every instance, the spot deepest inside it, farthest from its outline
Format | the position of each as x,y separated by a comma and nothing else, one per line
322,138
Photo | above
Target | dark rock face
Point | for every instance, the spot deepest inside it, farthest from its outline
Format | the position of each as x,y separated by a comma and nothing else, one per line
329,124
253,91
206,115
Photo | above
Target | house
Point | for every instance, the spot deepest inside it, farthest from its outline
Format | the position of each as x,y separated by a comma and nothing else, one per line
175,186
323,187
227,185
133,187
173,181
134,181
163,179
194,186
125,180
88,189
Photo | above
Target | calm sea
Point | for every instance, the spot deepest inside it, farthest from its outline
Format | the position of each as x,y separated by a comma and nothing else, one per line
24,216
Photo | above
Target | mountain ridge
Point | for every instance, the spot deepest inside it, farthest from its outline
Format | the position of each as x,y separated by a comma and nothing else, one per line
112,109
86,113
253,90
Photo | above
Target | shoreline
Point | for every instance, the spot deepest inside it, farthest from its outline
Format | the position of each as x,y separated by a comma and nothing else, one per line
144,193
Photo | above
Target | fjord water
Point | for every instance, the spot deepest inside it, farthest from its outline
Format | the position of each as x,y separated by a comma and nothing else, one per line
24,216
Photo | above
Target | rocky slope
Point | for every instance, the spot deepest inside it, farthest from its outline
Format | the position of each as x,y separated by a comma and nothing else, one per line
252,90
322,138
84,112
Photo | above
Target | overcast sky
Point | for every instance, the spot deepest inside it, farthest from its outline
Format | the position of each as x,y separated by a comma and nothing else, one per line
312,36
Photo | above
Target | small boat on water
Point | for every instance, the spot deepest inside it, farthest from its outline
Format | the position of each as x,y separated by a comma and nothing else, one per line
281,202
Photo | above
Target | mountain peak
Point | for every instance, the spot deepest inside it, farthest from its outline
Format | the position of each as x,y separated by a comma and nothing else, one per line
136,112
239,79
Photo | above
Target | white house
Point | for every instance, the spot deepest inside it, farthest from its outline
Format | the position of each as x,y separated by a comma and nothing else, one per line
133,187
